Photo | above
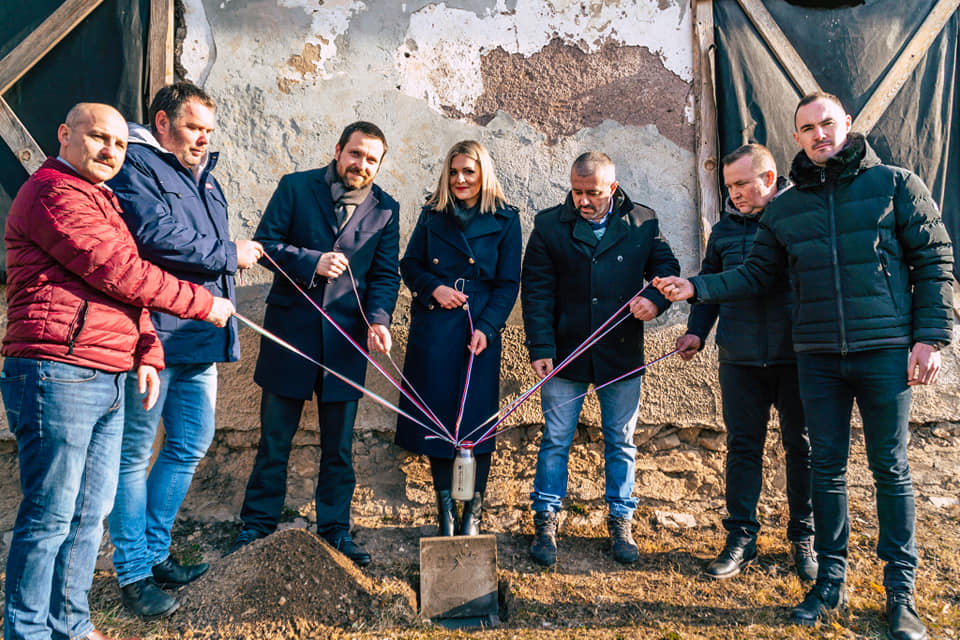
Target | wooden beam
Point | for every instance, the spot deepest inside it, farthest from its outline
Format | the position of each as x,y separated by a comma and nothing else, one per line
705,108
159,46
778,43
51,31
19,140
906,62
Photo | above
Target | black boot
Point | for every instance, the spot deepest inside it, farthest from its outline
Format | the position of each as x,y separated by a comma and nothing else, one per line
736,555
342,542
544,546
148,600
446,513
472,512
825,597
903,622
805,560
171,573
622,546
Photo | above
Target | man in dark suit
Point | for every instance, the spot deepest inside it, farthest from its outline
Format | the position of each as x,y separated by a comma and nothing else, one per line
316,223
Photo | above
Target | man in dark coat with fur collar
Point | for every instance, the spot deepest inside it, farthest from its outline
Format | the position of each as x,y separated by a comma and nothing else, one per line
317,223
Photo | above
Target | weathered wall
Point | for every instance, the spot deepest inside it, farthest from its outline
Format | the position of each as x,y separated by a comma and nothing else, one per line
538,82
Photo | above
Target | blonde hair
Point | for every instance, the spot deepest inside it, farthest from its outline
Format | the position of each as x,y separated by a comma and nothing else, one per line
491,193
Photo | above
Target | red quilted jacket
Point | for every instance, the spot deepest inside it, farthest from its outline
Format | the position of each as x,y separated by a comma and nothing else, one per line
77,290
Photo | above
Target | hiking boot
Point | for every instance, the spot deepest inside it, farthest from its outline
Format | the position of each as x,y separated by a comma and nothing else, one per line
805,560
824,598
146,599
446,514
735,556
245,537
903,622
622,546
171,573
472,512
342,542
543,549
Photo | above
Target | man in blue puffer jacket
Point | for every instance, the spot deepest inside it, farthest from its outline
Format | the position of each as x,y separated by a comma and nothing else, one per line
178,216
870,264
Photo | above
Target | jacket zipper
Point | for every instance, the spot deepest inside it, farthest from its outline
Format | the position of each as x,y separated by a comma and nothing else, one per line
77,326
838,288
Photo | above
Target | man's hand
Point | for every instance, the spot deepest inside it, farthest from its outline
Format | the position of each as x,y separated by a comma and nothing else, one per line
924,364
688,345
449,298
148,382
673,288
643,309
378,339
248,252
220,312
332,264
542,367
478,342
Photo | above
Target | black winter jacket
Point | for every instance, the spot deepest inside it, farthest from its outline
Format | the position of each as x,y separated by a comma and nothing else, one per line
571,283
868,256
753,331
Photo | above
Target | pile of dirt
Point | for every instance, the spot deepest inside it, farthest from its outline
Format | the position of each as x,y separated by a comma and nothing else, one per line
293,575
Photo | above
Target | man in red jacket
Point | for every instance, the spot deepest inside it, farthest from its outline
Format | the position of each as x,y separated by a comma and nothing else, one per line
78,297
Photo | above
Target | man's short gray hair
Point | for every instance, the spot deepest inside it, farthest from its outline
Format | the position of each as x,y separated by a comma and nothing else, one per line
592,163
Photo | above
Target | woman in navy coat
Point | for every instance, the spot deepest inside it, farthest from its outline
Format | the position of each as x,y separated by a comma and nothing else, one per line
463,257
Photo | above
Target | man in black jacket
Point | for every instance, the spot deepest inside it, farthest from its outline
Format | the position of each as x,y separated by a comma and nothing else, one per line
585,259
316,223
870,264
757,370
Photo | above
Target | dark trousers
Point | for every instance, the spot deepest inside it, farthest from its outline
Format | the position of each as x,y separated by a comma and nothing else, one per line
748,393
878,380
267,486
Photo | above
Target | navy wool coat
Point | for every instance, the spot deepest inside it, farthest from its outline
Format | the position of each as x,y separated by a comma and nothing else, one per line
486,256
298,226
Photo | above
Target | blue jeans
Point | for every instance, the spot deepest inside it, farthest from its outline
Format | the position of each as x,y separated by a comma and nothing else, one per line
146,505
68,423
878,380
619,405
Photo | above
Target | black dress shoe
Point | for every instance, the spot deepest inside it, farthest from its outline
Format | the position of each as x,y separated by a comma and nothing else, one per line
805,560
343,543
734,558
903,622
146,599
171,573
245,537
824,598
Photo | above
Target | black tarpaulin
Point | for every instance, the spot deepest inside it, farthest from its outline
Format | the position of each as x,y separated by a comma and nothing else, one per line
101,60
848,50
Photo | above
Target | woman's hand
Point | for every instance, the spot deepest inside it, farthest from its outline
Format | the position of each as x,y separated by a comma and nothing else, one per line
478,342
448,297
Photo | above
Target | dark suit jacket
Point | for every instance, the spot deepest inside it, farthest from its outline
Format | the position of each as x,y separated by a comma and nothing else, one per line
572,283
298,226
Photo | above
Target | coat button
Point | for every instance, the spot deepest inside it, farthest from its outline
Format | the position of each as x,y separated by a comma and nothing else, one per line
619,258
414,294
430,307
472,261
436,261
594,261
593,301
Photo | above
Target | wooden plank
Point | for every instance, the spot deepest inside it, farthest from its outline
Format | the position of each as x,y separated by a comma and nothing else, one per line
51,31
705,106
778,43
907,61
159,47
19,140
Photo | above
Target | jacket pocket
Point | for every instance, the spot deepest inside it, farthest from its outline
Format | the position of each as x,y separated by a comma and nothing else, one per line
76,326
888,278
